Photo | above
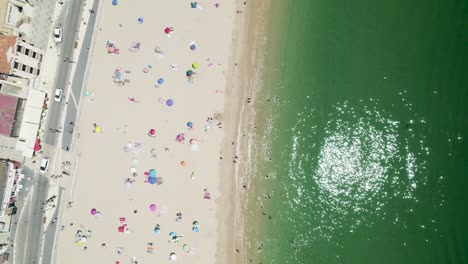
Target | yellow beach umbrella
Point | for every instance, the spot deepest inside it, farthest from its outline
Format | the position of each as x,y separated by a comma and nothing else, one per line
97,129
195,65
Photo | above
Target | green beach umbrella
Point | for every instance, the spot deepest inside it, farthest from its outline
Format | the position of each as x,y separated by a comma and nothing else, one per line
189,73
185,247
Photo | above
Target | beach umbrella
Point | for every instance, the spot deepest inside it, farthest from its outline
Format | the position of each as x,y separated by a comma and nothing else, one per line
195,65
193,4
121,228
195,229
193,141
128,147
172,234
157,230
93,211
160,81
190,124
152,132
83,239
128,185
189,73
97,129
193,46
185,247
180,138
114,2
170,102
173,256
167,30
140,20
183,163
152,180
152,173
98,214
152,207
87,93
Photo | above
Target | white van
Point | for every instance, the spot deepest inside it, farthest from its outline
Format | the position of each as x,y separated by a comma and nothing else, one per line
44,165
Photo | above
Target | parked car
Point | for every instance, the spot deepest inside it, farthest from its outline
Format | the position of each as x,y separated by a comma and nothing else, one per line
58,35
58,95
44,165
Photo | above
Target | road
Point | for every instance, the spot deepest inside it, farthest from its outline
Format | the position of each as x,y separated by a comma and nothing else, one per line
27,241
70,27
78,79
27,231
51,232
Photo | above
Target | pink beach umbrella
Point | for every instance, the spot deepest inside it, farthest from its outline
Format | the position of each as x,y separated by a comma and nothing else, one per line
193,141
93,211
152,207
152,132
180,137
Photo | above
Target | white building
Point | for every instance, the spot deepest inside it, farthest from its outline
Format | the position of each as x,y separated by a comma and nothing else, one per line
19,58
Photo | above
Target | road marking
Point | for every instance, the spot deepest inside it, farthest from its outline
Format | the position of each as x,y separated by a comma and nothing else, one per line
73,97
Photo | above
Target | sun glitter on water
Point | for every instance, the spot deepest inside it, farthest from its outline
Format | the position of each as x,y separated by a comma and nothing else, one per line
364,163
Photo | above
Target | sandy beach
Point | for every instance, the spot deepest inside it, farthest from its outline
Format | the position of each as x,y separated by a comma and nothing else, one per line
142,111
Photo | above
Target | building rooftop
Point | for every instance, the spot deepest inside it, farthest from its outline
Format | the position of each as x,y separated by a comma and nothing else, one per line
7,44
7,113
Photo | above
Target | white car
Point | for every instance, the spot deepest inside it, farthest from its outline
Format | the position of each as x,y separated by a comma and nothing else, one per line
58,35
58,95
44,165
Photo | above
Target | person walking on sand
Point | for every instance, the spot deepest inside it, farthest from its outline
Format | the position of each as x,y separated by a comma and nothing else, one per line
133,100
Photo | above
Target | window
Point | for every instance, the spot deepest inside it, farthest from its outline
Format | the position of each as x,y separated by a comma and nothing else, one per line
40,57
16,65
38,71
34,54
23,68
31,70
20,48
26,52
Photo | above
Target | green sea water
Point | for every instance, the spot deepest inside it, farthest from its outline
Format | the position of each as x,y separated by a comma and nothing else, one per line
360,145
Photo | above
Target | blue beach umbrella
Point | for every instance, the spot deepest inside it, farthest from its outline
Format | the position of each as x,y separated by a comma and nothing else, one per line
160,81
193,4
152,173
157,230
152,180
190,124
170,102
140,20
171,234
114,2
195,229
193,47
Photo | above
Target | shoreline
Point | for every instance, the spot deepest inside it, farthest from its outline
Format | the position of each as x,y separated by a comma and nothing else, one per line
248,49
